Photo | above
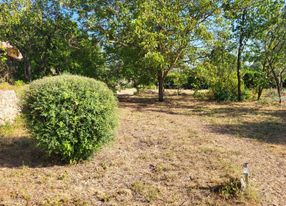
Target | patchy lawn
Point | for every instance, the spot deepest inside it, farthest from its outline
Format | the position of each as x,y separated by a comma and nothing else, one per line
180,152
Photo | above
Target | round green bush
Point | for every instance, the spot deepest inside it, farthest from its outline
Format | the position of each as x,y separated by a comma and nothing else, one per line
70,116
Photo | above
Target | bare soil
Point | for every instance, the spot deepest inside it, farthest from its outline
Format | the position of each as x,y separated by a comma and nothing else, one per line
180,152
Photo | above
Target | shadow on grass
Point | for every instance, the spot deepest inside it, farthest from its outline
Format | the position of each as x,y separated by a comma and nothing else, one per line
137,103
137,99
266,125
266,131
181,105
151,103
22,152
257,123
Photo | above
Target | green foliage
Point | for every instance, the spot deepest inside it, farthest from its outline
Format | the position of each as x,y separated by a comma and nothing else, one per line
219,72
19,83
50,40
255,77
158,35
140,42
70,116
196,80
230,189
176,80
254,25
225,88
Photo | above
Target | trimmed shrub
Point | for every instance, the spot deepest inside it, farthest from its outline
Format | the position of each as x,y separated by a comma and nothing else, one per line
70,116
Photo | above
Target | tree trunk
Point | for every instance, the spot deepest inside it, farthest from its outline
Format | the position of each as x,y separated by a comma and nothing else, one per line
27,70
160,77
238,73
278,84
262,84
259,93
279,94
240,50
8,76
136,86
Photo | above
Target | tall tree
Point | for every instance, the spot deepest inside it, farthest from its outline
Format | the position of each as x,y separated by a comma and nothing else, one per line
268,47
275,53
162,32
248,20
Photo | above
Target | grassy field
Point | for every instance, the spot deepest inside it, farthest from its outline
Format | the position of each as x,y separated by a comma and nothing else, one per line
181,152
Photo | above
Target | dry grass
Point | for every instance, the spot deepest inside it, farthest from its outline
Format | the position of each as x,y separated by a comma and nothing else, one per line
180,152
18,88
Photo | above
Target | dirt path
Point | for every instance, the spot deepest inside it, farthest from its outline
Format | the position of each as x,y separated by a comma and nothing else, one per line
164,154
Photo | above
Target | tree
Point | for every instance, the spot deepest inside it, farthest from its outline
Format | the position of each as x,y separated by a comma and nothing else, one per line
248,20
50,40
219,71
268,49
8,53
10,13
162,33
275,49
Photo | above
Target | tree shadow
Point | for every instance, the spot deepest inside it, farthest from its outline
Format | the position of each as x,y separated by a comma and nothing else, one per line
254,121
268,130
22,152
137,99
178,105
137,103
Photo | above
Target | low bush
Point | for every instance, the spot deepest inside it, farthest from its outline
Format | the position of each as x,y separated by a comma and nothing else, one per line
225,88
70,116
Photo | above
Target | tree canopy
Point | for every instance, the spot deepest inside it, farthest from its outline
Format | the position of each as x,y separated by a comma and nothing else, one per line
142,42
